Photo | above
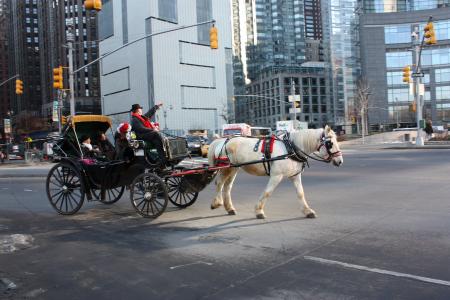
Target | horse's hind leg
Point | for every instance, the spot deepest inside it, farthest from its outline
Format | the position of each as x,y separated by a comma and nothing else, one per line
297,180
273,182
221,179
227,192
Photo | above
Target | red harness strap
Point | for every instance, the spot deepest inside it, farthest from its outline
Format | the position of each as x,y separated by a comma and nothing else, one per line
263,146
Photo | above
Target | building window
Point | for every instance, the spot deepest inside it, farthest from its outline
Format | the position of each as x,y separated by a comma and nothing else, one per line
168,10
443,93
204,13
397,34
442,75
398,95
398,59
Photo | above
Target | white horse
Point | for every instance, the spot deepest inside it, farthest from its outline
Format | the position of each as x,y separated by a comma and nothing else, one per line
241,150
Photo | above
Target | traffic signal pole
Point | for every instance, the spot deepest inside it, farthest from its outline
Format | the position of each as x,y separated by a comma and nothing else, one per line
417,82
9,79
70,39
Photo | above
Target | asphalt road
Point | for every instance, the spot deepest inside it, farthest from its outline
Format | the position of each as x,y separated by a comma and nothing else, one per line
382,232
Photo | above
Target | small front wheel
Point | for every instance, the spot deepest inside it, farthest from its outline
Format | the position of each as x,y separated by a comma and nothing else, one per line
111,195
149,195
177,196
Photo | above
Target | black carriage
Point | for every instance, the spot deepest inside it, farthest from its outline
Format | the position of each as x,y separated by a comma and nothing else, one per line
97,178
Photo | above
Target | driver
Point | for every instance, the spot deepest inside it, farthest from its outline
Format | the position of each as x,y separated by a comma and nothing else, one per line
146,130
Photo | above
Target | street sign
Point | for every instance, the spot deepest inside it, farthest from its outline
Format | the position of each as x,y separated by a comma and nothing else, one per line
55,111
297,110
417,75
293,98
7,123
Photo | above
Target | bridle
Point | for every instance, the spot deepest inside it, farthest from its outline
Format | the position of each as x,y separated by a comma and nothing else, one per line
328,144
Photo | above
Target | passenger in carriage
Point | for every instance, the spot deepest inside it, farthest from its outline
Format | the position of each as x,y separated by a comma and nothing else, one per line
121,140
87,148
146,130
104,146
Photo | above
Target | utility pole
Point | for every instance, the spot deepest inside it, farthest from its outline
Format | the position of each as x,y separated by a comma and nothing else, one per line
70,40
416,84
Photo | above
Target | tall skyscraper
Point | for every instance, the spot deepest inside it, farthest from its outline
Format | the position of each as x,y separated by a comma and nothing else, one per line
274,36
340,37
4,74
386,42
278,39
37,38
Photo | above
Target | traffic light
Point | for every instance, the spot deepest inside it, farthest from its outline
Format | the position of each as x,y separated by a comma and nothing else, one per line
19,87
93,4
58,78
430,37
213,38
407,74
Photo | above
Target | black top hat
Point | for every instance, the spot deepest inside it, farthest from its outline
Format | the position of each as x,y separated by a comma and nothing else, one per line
135,106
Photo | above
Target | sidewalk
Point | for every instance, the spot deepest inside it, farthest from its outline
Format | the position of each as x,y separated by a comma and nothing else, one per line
21,169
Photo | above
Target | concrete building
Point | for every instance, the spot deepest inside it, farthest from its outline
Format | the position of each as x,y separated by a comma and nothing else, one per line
194,82
273,89
386,29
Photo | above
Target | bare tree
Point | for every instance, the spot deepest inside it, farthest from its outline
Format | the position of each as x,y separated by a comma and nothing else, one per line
223,112
362,103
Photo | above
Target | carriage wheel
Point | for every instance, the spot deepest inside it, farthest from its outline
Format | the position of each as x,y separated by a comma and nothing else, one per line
176,196
111,195
65,189
149,195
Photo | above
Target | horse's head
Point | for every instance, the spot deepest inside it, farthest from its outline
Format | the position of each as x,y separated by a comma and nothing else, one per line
329,148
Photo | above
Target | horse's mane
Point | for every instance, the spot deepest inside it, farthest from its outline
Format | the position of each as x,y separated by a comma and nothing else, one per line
307,139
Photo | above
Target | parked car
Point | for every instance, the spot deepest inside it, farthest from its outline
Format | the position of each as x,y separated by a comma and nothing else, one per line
194,144
16,152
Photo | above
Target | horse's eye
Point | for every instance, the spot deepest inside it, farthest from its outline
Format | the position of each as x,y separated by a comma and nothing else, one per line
329,144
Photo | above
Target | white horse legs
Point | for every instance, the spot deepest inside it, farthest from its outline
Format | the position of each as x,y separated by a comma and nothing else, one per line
220,182
297,180
227,192
273,182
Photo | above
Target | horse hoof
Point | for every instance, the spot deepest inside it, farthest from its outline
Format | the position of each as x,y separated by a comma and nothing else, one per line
213,207
260,216
311,216
232,212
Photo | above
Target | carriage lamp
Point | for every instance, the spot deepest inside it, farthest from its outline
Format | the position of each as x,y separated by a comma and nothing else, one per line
135,144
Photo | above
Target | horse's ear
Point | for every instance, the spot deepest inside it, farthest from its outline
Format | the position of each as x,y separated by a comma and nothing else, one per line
327,129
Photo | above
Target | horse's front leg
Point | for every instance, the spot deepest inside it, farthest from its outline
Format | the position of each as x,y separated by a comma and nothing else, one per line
297,180
273,182
227,192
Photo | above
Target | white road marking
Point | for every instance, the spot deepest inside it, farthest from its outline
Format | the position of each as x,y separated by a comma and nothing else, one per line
375,270
27,190
194,263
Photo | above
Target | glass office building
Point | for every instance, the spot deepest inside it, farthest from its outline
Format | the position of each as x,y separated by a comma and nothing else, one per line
386,42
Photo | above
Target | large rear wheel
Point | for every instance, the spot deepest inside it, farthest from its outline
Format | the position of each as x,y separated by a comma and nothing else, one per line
65,189
177,196
149,195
